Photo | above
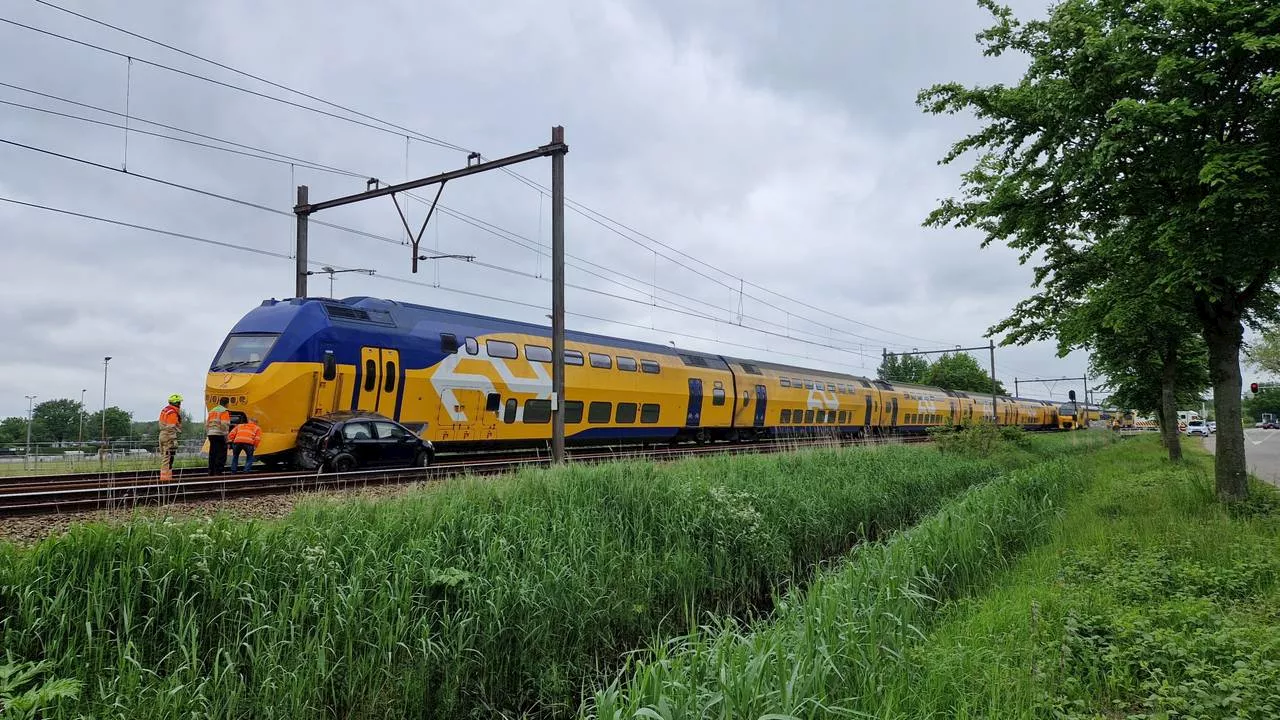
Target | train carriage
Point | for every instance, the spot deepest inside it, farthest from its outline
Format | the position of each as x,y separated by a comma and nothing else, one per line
467,381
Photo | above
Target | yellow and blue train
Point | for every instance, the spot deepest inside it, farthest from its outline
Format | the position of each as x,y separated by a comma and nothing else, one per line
467,381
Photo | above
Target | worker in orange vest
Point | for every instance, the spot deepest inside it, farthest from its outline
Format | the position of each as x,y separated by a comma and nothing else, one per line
244,439
170,429
216,427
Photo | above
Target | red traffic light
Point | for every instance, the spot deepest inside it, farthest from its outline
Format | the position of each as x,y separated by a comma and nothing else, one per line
1253,388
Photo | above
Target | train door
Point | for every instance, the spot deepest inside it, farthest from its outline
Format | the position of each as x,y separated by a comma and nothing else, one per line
762,397
866,419
694,418
389,383
893,413
327,396
370,372
379,380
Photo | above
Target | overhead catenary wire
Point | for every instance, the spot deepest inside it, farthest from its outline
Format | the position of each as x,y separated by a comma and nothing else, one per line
265,208
392,278
281,212
399,130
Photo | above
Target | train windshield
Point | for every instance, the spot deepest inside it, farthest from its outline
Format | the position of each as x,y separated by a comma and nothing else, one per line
244,353
1067,409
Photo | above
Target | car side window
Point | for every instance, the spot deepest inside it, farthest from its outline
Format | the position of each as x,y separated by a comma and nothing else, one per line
387,431
356,431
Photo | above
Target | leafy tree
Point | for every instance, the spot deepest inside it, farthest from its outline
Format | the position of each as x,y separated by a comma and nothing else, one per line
1139,125
1266,401
13,431
959,371
1265,355
58,420
1142,340
119,423
903,368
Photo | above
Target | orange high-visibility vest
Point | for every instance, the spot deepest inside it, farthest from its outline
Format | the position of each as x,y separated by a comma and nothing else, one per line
170,416
218,421
247,433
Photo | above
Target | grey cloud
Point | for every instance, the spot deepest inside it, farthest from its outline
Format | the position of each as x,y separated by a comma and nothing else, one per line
783,147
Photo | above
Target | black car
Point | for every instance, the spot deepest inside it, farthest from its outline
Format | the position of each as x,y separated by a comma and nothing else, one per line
346,441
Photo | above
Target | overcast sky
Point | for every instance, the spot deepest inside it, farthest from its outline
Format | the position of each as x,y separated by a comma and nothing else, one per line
780,146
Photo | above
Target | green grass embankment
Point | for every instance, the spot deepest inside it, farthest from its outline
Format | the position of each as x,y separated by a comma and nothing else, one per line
1140,597
475,598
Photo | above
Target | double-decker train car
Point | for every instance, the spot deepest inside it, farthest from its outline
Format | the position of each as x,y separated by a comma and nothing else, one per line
467,381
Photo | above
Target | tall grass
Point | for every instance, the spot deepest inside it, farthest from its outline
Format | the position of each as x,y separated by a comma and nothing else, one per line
828,651
475,599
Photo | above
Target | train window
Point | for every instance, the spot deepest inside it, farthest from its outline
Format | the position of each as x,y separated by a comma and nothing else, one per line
473,346
746,398
501,349
572,357
844,417
492,402
600,360
626,364
864,383
330,366
370,375
537,353
785,418
572,412
831,387
390,384
797,383
599,412
448,343
649,413
808,416
820,416
537,411
831,417
694,360
626,413
509,415
808,384
750,369
784,382
650,367
717,396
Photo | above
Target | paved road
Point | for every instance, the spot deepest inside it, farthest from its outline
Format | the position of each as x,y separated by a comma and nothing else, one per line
1262,450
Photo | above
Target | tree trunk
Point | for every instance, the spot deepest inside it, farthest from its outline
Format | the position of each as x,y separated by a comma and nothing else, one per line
1224,334
1169,404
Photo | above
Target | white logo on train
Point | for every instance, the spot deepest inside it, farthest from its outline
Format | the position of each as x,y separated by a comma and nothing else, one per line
447,378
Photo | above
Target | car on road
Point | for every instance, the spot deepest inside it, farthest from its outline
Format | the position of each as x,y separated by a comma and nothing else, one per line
1213,426
1268,425
346,441
1197,427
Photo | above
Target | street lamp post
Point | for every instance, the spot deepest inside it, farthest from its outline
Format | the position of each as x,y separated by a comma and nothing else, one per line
81,440
102,454
30,405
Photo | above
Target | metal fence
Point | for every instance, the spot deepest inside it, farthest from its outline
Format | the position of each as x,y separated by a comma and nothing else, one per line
118,456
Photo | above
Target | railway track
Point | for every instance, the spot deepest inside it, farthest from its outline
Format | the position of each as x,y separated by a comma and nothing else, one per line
53,494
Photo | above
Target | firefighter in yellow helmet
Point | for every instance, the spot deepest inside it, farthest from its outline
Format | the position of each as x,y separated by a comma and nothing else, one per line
170,429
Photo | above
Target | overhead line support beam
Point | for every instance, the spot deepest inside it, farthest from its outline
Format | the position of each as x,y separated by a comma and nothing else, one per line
556,149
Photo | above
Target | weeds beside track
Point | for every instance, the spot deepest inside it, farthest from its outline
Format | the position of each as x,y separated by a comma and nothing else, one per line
476,598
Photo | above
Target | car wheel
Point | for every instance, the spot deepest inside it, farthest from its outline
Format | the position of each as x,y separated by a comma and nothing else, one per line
423,460
343,463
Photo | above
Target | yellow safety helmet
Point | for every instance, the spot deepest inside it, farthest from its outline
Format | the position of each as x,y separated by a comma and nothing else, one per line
174,399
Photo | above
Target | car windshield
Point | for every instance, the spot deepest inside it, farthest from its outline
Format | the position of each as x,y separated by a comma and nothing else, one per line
243,352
